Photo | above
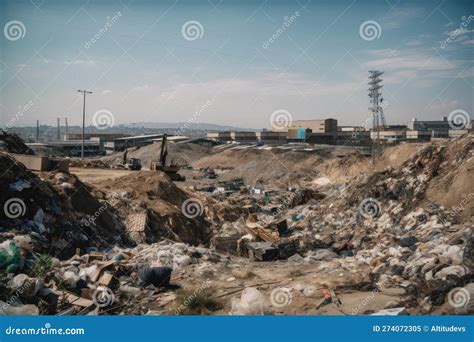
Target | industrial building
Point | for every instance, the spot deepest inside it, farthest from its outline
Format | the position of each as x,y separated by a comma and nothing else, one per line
326,131
244,137
298,134
120,144
272,138
316,126
88,136
436,125
70,148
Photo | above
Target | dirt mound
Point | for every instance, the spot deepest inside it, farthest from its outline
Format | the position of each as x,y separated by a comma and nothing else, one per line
154,193
14,144
435,171
268,167
454,186
395,156
59,213
149,184
282,168
182,154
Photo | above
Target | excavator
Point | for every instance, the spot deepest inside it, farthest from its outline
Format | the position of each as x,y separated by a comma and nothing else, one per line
133,164
172,169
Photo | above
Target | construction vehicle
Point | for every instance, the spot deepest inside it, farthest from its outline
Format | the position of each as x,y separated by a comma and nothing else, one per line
133,164
172,169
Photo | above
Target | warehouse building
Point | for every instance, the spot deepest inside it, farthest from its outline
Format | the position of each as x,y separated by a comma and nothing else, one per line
316,126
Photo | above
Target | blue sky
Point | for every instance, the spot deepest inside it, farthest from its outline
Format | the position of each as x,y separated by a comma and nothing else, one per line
143,69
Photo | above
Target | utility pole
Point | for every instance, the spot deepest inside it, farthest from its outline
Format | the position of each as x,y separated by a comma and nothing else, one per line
67,127
59,129
84,92
37,130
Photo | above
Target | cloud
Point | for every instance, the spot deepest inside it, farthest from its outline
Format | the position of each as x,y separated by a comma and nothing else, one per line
388,59
459,32
399,16
415,42
106,92
88,63
244,102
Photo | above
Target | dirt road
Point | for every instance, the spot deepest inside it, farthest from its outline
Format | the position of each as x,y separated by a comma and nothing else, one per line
96,176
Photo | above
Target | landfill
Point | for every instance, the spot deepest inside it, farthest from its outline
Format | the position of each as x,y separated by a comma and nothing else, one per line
243,240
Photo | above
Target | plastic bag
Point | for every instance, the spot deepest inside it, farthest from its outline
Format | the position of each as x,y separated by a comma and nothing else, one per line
10,258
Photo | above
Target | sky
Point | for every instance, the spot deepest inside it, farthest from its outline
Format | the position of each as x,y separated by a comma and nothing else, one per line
233,62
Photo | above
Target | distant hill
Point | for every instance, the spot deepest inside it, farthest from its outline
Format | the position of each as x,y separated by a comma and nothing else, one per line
188,125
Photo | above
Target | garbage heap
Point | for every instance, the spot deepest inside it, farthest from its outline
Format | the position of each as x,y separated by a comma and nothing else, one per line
119,281
13,143
58,215
153,207
382,220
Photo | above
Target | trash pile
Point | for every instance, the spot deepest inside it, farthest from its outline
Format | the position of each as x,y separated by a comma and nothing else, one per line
383,221
167,211
13,143
59,214
120,281
130,245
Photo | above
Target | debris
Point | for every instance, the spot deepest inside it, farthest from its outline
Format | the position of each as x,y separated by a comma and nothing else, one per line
390,312
10,258
20,185
251,302
262,251
156,276
128,235
18,310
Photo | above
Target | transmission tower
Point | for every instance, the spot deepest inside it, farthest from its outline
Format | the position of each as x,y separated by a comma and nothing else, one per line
378,117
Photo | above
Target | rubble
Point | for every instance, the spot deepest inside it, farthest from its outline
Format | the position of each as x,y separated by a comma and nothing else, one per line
12,143
128,246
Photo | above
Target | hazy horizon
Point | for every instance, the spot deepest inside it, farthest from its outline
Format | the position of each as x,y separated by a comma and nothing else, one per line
234,64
